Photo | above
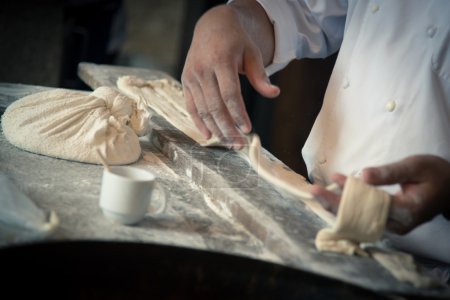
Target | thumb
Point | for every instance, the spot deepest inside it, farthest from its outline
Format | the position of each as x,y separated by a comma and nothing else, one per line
254,69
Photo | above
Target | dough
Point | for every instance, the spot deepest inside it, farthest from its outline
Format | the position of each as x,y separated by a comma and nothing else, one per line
166,98
277,173
73,124
361,217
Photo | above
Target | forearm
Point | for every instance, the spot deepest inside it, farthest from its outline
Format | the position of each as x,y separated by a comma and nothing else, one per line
258,26
228,40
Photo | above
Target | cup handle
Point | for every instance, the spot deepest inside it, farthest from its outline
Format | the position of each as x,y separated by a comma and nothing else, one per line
163,200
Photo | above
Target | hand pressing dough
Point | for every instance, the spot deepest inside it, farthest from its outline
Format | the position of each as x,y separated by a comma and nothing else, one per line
361,217
74,124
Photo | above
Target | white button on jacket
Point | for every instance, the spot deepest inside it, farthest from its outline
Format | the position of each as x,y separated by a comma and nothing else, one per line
390,106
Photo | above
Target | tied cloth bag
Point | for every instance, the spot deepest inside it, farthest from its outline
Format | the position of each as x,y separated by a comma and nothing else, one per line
72,125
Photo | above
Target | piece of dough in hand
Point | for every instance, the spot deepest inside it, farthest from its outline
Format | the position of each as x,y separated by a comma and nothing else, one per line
361,217
73,124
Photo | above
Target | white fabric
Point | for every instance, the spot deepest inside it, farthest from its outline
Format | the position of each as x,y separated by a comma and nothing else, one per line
389,93
20,219
310,29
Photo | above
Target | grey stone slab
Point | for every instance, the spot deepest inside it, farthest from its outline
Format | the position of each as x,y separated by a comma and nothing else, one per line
72,190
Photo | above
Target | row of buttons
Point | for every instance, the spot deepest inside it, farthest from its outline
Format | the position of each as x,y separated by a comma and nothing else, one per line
431,30
390,106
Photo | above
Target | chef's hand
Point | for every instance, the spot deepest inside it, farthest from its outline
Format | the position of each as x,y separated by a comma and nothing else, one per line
424,190
228,40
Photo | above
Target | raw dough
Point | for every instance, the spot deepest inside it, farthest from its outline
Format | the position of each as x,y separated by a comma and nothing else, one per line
166,98
282,177
73,124
361,217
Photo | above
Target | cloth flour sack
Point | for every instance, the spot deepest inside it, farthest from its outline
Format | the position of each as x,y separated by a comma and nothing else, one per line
73,125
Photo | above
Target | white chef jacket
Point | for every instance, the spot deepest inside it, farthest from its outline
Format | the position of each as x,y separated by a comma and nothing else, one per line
388,96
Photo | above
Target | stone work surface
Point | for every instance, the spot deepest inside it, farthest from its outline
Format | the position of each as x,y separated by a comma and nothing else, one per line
216,201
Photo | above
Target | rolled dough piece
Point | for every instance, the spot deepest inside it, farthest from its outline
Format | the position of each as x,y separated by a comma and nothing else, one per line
73,124
166,98
277,173
361,217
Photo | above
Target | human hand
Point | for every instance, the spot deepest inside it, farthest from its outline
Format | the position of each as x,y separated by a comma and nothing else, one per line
424,190
224,45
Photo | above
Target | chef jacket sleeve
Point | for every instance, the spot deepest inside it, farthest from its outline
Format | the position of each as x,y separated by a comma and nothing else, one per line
305,29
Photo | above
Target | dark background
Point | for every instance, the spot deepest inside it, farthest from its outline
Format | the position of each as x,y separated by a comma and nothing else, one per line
42,42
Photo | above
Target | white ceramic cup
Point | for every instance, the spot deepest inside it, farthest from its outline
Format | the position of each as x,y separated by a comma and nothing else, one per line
127,194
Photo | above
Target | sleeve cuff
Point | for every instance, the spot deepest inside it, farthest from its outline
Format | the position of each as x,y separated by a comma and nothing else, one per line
285,34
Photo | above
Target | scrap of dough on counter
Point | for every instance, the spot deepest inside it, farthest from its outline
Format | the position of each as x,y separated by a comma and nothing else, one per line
72,125
402,266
